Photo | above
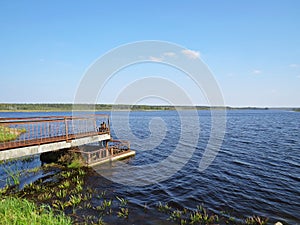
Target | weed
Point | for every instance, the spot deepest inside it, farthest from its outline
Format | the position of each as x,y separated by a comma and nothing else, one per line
78,188
102,195
12,175
195,217
123,202
183,222
123,213
44,196
87,205
75,199
33,187
74,210
175,215
59,204
100,221
33,170
81,172
80,182
105,206
77,180
201,216
61,193
87,196
163,208
66,174
90,190
76,163
4,190
256,220
107,203
146,208
231,219
65,185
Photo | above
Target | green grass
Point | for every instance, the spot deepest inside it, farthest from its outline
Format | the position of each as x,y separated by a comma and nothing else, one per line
22,212
75,164
10,134
68,199
256,220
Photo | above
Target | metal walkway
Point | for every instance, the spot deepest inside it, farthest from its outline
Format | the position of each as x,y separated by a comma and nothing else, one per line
27,136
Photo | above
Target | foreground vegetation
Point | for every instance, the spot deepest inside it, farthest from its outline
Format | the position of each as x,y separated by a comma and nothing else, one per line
21,211
67,197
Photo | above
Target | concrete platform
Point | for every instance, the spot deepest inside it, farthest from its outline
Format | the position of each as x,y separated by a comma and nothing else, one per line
120,156
37,149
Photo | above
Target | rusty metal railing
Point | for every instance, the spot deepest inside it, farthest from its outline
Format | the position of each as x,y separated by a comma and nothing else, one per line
98,154
118,146
21,132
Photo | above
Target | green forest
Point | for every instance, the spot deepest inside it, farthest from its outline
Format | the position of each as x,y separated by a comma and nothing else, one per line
97,107
14,107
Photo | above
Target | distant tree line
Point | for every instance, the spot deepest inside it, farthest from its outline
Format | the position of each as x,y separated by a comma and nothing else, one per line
97,107
103,107
51,107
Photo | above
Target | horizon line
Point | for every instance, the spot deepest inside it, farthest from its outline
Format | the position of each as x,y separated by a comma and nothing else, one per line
149,105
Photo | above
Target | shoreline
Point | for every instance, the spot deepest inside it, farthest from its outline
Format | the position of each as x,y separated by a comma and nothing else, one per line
147,110
73,191
68,107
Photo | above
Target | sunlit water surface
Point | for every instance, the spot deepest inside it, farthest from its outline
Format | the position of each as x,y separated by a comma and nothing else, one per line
257,169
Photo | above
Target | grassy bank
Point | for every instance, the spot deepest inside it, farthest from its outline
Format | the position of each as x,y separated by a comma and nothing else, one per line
68,197
9,134
21,211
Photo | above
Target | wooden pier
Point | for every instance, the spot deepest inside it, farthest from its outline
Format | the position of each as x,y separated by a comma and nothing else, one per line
21,137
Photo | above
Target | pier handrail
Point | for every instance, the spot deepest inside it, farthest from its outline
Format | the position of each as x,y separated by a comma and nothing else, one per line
21,132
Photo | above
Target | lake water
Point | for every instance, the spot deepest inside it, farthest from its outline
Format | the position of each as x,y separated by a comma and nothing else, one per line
256,171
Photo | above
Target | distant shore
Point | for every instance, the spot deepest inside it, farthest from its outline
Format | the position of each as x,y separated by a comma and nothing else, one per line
53,107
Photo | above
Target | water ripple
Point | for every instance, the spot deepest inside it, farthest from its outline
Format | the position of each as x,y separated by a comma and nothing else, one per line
257,170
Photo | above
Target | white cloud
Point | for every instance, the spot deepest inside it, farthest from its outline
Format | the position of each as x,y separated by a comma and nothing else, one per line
170,54
256,72
162,57
191,54
294,65
155,59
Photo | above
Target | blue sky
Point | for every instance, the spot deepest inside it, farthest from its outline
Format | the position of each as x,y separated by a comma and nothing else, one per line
252,47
